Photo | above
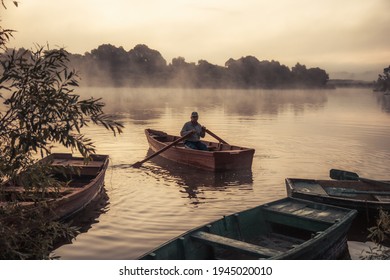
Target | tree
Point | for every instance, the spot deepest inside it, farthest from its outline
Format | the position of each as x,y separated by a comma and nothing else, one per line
383,82
114,61
42,109
39,109
312,77
209,75
182,73
244,72
148,65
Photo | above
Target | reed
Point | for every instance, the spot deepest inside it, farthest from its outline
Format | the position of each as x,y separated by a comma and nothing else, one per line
380,235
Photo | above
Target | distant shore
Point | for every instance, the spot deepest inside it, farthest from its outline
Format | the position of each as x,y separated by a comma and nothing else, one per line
350,83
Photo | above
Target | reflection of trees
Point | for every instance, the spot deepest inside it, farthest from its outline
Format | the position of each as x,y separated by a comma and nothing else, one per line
384,101
273,102
148,104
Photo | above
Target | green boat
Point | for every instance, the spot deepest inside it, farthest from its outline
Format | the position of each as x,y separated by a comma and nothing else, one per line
347,190
284,229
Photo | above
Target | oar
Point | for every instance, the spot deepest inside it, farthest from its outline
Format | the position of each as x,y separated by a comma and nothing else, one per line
139,163
348,175
216,137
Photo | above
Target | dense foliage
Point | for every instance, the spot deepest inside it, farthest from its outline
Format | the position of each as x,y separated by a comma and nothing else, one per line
383,82
38,110
142,66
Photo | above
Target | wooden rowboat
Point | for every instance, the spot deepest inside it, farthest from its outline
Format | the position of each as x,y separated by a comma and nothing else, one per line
219,157
284,229
85,182
365,196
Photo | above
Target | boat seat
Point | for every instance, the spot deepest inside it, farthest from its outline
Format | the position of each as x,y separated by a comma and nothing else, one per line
383,198
229,243
310,187
304,210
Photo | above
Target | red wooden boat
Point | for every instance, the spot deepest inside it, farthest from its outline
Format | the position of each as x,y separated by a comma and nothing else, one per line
219,157
85,182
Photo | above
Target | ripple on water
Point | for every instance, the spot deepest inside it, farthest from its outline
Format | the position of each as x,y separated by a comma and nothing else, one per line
296,133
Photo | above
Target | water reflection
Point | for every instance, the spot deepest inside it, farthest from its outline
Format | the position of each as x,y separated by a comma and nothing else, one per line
295,133
273,102
85,219
384,101
147,104
194,183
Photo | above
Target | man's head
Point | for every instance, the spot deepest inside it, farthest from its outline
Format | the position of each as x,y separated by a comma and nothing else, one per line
194,116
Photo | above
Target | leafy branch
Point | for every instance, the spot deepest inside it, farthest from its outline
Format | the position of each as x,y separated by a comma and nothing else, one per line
42,108
39,109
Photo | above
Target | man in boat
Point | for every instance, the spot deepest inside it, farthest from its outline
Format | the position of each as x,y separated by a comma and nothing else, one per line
193,141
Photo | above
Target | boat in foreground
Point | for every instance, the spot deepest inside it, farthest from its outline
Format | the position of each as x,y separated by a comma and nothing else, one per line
365,196
85,181
284,229
219,157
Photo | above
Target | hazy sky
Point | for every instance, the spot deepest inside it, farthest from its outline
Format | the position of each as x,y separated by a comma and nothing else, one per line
336,35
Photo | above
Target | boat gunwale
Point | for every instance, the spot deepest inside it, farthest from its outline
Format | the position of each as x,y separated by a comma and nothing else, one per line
214,160
341,199
74,192
343,223
239,150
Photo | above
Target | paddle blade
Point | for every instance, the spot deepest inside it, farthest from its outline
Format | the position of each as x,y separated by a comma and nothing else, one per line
343,175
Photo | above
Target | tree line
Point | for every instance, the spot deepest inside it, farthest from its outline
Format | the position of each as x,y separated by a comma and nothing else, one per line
142,66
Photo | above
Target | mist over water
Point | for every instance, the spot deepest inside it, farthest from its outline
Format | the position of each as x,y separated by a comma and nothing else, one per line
296,133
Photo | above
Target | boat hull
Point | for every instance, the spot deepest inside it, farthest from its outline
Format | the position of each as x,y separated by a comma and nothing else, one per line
220,157
78,200
366,198
86,183
284,229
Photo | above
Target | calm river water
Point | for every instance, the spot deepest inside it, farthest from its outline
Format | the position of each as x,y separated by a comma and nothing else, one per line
296,133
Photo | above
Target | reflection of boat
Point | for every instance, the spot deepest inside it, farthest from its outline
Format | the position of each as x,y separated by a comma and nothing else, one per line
284,229
85,218
200,178
194,183
83,181
219,157
365,196
89,215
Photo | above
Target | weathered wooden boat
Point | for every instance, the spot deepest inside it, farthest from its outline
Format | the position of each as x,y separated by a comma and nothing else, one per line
284,229
84,181
219,157
367,196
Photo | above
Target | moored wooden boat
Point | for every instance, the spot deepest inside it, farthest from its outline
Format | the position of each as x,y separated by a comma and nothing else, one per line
85,182
284,229
365,196
219,157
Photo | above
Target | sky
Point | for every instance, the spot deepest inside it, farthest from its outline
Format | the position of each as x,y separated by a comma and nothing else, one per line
336,35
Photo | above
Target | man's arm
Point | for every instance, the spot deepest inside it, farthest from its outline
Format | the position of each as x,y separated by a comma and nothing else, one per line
203,131
184,130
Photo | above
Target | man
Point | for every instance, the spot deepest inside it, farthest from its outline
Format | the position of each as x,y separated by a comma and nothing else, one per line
193,141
